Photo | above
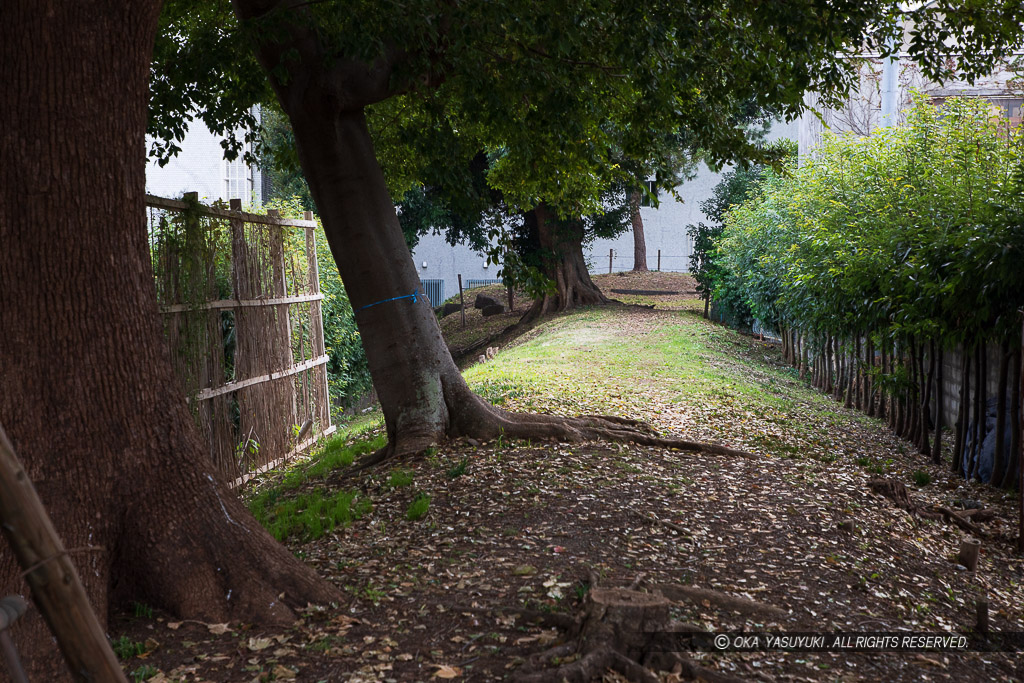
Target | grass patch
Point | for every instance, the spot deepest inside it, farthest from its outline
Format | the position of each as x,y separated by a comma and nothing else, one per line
142,610
400,478
418,508
922,478
335,454
144,672
307,516
126,648
459,469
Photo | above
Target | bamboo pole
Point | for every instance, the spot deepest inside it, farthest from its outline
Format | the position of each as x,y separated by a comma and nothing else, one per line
56,589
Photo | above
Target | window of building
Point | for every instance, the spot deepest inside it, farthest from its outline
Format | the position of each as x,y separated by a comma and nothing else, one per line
238,180
646,199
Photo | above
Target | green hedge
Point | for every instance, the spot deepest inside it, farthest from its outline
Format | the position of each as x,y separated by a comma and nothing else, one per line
879,254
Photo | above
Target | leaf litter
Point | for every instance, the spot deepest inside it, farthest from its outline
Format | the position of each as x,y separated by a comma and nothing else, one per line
523,532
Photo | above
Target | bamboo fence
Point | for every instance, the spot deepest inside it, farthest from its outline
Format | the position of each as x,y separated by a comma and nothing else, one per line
240,298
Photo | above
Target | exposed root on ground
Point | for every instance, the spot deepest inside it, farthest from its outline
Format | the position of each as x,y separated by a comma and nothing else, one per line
724,601
524,426
897,493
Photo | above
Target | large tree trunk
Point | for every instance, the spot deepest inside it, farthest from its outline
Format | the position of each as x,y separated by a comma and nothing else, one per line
561,245
87,394
421,391
639,243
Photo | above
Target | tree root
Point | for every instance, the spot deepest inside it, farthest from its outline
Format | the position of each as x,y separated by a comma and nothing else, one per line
940,512
897,493
550,619
661,522
596,428
525,426
724,601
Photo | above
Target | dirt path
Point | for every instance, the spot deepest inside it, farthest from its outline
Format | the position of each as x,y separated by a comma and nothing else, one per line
528,526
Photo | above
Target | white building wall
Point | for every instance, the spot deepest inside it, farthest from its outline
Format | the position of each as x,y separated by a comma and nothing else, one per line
435,259
885,93
200,167
664,230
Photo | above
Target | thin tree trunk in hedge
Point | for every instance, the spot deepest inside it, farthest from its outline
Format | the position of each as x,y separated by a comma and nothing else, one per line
1015,421
881,410
835,368
803,356
916,386
869,379
840,384
639,243
999,459
963,411
924,440
823,372
858,375
922,409
940,404
913,392
87,394
847,380
896,401
851,375
979,409
817,380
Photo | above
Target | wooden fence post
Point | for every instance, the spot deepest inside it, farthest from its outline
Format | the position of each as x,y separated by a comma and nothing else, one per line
462,304
610,253
659,260
56,589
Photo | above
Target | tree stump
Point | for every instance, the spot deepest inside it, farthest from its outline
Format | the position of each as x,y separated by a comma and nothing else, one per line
968,555
893,490
621,629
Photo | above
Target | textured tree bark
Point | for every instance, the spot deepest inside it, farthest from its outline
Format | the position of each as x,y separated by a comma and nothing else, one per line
1014,464
999,458
980,396
940,404
869,379
858,375
963,411
639,243
87,394
561,244
803,356
924,438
